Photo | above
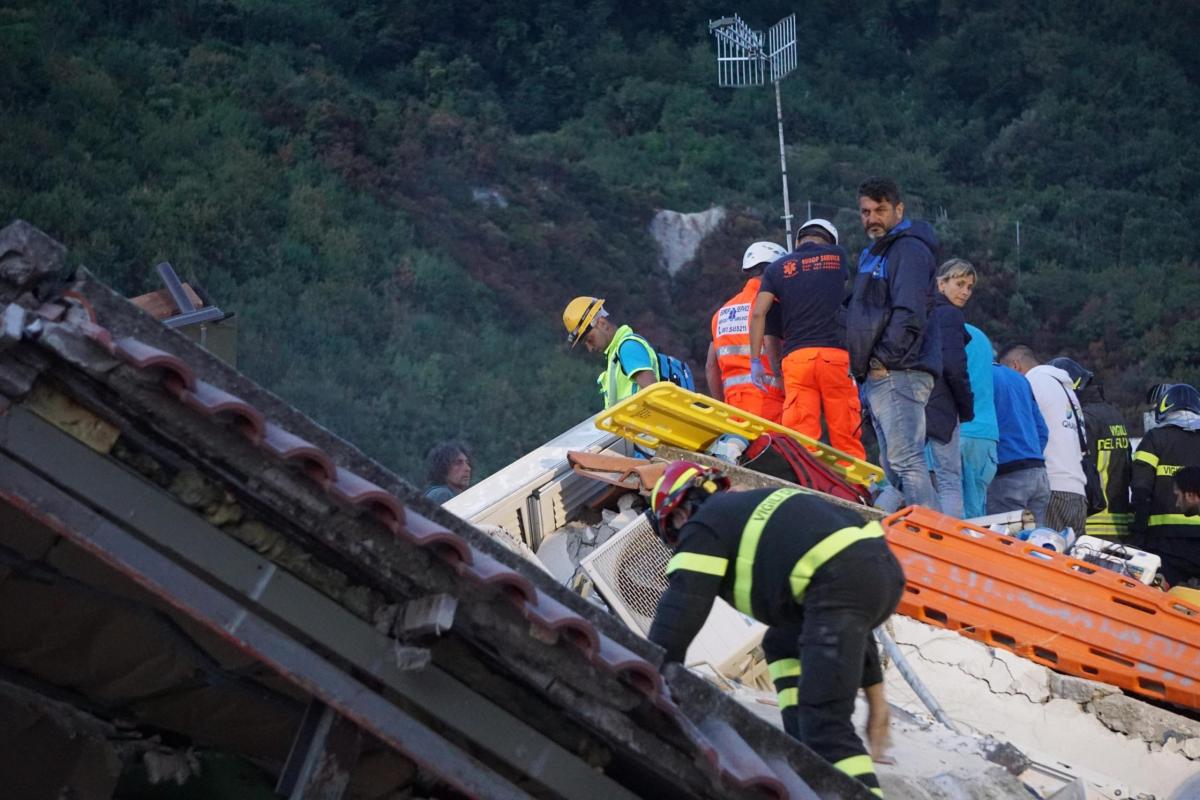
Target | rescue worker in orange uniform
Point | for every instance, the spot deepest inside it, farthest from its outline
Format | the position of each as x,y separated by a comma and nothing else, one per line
727,368
808,285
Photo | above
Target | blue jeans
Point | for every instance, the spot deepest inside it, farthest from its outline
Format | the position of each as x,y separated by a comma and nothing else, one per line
897,401
978,469
945,462
1014,491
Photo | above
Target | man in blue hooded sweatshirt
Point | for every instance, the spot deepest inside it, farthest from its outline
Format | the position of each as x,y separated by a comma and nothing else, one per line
894,353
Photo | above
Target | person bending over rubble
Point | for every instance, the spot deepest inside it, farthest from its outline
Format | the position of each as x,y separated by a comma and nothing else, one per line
812,571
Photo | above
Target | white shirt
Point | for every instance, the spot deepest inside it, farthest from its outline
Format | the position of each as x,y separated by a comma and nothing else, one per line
1055,398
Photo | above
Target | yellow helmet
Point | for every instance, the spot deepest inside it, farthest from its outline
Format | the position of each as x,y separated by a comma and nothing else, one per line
578,317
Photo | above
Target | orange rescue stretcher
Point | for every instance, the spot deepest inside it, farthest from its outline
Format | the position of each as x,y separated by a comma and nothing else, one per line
1071,616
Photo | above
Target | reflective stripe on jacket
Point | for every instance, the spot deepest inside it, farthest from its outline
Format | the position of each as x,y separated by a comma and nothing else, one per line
1108,439
765,547
760,551
1163,452
731,338
614,384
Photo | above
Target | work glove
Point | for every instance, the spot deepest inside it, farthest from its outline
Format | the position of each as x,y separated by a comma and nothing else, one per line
758,374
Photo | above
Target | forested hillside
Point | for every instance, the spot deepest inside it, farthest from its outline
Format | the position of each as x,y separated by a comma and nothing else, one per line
397,198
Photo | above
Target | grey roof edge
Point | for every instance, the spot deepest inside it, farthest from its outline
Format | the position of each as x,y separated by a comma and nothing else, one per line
122,318
222,389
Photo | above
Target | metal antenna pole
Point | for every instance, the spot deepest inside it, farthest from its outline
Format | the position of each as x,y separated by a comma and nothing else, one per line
743,60
1018,256
787,207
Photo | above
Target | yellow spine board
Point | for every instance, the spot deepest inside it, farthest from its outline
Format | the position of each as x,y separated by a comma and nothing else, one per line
667,414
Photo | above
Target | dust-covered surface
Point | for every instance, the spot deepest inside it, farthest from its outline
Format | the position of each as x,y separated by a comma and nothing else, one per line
1120,746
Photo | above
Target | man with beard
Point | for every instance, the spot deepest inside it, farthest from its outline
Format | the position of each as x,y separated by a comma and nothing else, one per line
893,351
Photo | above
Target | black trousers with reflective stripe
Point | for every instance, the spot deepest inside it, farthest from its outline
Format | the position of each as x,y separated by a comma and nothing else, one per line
848,598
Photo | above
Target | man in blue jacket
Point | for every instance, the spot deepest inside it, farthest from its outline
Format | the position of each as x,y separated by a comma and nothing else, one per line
1021,481
894,353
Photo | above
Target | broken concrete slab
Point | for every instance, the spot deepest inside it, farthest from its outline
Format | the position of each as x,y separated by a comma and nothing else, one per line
1080,690
1143,721
1062,737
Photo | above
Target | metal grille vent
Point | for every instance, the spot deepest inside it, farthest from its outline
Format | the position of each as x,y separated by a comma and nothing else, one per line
630,571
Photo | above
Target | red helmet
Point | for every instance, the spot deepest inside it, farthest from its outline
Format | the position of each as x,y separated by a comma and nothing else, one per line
673,489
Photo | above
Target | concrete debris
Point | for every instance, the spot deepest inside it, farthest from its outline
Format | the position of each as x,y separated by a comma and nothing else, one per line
170,766
1006,755
1187,747
679,235
1068,728
931,763
12,326
411,658
1075,790
617,521
994,784
427,616
1080,690
562,551
1146,722
28,256
67,345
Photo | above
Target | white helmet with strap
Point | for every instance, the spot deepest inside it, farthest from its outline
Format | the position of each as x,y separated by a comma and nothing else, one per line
761,253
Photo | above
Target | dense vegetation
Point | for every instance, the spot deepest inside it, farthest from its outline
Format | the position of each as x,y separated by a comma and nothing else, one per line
397,198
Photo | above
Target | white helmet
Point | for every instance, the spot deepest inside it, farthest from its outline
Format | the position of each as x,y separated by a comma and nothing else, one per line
824,225
761,253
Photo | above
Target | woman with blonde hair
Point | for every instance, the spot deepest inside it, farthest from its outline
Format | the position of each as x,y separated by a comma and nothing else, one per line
951,400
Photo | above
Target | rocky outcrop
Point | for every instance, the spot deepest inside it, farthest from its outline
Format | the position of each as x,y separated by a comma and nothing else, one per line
679,235
489,198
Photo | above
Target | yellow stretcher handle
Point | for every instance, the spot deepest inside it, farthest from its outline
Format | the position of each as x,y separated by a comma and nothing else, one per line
667,414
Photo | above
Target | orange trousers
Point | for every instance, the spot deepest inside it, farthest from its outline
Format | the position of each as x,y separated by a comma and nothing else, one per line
750,398
816,378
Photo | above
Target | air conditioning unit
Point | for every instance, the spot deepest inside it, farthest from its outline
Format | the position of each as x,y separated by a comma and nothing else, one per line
629,571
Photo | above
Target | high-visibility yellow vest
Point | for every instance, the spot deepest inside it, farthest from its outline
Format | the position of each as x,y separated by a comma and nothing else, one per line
614,384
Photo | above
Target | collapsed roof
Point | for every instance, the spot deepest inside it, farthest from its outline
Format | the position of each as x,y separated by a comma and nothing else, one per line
189,561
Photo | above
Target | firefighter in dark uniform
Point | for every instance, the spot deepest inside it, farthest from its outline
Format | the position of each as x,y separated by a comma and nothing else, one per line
811,570
1108,442
1160,526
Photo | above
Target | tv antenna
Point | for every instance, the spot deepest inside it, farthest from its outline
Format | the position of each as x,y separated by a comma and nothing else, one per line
746,58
